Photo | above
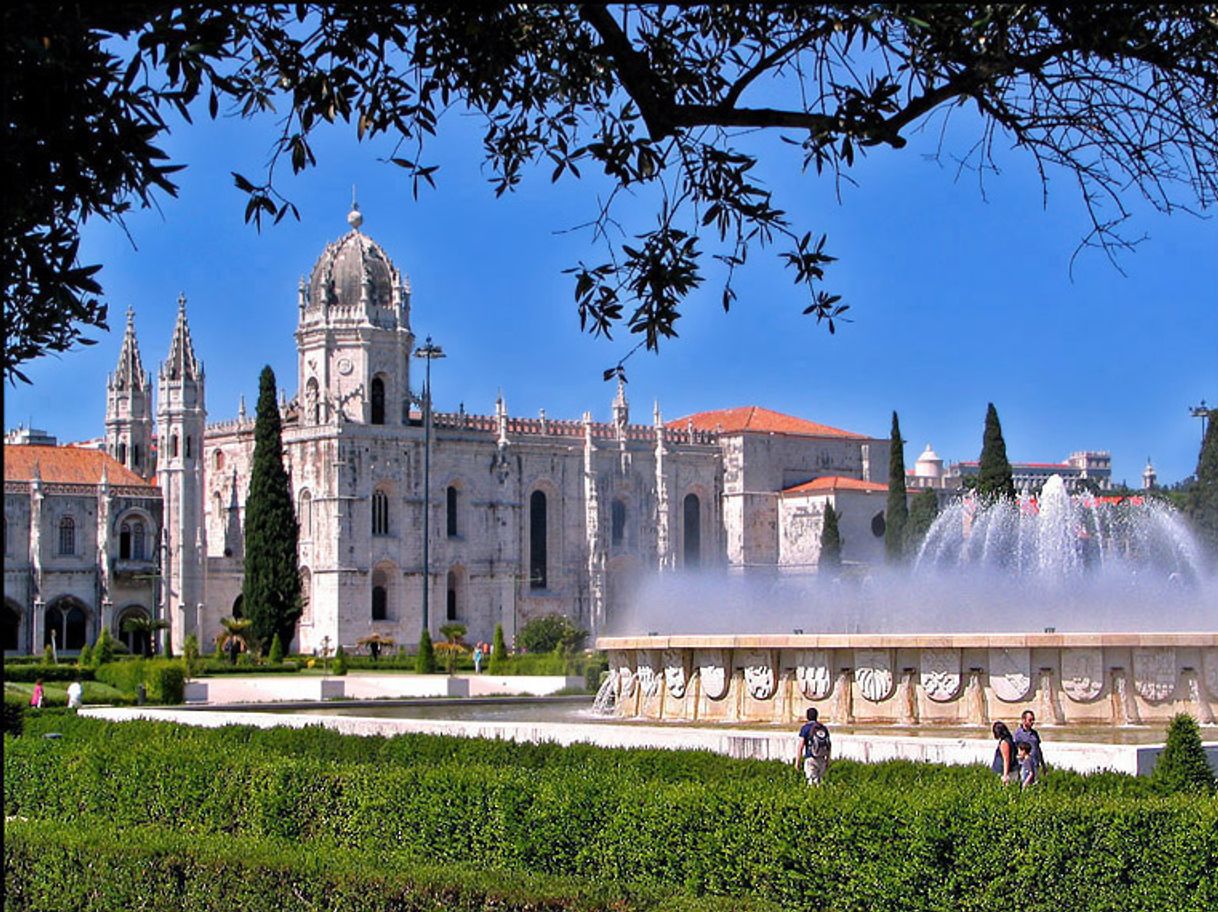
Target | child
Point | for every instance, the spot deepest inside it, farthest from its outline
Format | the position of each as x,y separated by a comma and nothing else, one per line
1027,766
37,697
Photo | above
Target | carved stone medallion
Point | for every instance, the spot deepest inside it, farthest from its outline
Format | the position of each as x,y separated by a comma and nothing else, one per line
1209,667
1154,673
647,671
940,673
625,675
712,669
1083,673
873,673
759,674
676,678
1010,673
812,673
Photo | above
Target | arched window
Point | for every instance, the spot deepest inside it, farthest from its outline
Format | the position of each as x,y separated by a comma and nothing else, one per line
451,512
453,585
173,445
305,515
693,530
121,455
537,540
137,641
67,535
380,513
617,524
378,401
124,541
137,540
380,596
218,460
239,607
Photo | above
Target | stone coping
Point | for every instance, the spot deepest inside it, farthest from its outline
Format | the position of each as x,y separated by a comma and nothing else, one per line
907,640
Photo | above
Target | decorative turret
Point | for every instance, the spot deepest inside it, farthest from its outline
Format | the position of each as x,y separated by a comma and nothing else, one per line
129,407
1149,476
181,417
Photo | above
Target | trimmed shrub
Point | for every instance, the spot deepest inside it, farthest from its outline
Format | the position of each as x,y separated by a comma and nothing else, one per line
13,720
224,667
1182,767
165,680
425,661
103,649
498,650
340,661
28,674
85,659
275,656
554,631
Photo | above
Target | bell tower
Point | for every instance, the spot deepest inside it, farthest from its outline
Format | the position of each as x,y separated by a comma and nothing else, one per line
129,407
181,417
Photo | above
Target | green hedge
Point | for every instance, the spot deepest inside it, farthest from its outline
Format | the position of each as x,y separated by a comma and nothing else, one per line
28,674
101,868
222,667
164,680
13,720
908,838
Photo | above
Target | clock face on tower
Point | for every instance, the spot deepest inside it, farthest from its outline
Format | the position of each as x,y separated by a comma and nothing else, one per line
344,366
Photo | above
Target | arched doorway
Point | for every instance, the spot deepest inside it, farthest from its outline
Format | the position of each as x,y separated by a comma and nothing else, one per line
139,641
68,620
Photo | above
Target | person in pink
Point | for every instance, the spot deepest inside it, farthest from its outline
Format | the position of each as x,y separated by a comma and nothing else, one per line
37,696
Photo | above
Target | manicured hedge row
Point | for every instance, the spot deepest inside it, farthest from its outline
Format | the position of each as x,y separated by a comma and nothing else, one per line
28,674
223,667
872,845
50,866
164,679
13,720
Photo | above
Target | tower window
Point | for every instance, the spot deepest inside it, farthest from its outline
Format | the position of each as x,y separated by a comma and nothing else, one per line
67,535
135,457
187,446
451,511
173,445
380,596
617,525
537,540
124,541
122,453
378,401
380,513
693,530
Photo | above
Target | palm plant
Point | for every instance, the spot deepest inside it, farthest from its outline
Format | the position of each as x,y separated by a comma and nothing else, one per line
143,629
234,638
375,643
452,645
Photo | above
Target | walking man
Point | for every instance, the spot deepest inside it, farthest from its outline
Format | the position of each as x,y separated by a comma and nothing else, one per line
814,750
1026,734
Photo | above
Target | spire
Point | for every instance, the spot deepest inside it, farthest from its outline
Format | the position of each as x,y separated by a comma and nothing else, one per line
621,408
181,364
355,218
130,371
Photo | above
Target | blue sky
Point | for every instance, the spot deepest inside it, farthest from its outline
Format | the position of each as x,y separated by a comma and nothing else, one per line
958,298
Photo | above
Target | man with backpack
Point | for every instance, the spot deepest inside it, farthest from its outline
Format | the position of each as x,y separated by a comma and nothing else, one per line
814,750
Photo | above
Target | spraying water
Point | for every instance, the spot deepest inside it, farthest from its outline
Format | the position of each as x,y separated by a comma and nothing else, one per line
1060,562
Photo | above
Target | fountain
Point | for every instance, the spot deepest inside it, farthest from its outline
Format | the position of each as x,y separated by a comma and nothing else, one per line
1086,609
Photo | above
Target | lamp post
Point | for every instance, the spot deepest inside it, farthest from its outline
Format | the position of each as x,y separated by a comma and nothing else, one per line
428,352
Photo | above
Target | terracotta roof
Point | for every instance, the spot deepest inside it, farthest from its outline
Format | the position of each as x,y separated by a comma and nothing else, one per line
66,465
835,483
757,420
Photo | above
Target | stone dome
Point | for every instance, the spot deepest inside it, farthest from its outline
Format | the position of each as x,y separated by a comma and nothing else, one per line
354,273
929,465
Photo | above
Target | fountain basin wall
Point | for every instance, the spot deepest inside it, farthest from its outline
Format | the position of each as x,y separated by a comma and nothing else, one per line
950,679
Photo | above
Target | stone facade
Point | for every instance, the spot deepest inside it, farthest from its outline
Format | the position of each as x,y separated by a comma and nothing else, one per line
527,516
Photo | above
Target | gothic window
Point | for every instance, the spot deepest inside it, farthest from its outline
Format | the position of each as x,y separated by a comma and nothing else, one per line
187,446
67,535
135,456
173,445
380,596
452,613
121,455
380,513
451,512
218,460
537,540
239,607
693,530
137,540
124,541
617,524
305,515
378,400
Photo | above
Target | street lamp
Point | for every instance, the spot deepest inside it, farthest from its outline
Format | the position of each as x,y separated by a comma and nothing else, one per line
429,353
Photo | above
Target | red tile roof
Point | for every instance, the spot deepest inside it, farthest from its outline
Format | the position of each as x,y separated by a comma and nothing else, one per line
753,419
66,465
835,483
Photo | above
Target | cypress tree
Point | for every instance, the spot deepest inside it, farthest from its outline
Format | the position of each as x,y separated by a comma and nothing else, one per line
498,650
994,480
425,661
922,514
897,514
1182,766
271,590
1203,497
830,541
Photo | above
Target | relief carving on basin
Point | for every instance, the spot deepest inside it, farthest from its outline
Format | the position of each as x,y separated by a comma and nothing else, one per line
623,673
940,673
1083,673
1209,668
813,674
1154,673
712,670
676,675
1010,673
873,673
759,677
647,671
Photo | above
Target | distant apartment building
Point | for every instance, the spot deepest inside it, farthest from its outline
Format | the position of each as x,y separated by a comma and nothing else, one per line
1079,469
